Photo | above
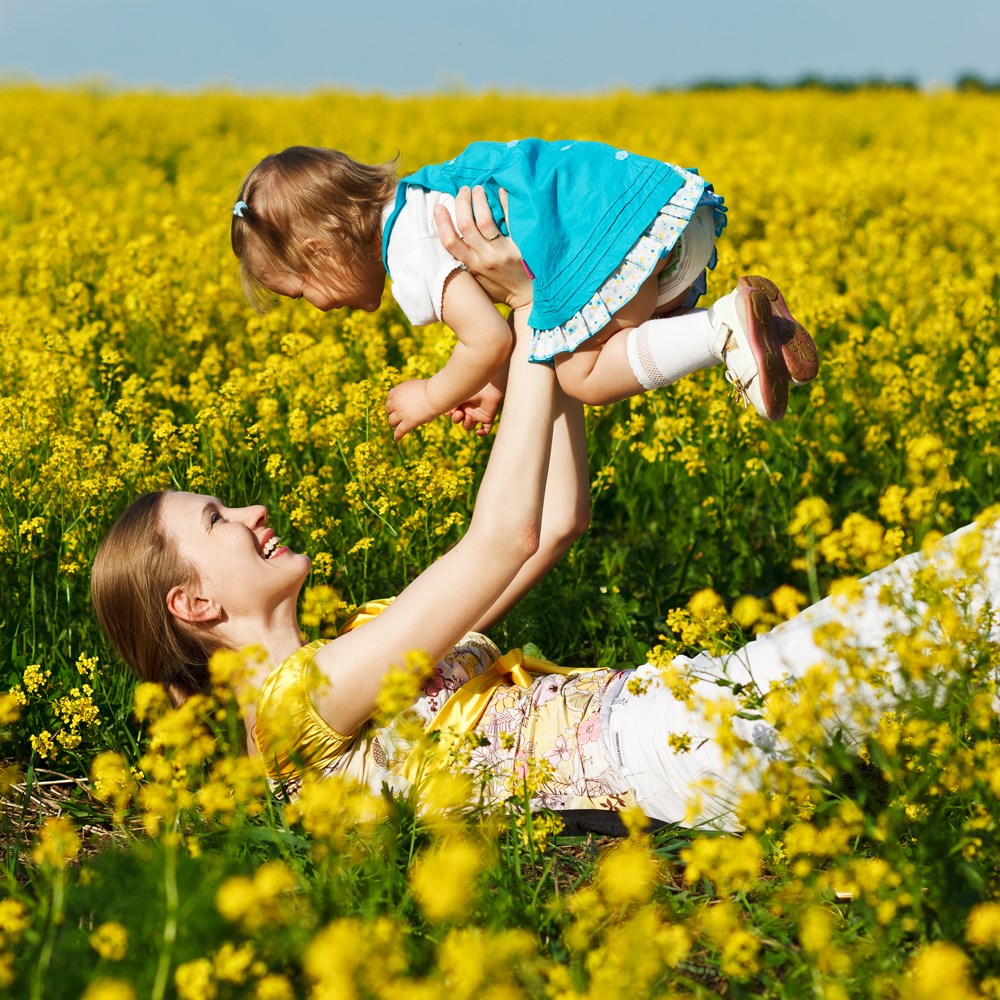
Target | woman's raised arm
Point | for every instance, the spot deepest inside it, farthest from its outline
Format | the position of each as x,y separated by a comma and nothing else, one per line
457,590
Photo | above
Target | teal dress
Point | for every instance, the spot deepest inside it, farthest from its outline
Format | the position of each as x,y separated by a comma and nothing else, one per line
575,210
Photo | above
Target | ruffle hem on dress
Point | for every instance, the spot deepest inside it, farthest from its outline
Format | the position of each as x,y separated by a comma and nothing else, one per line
658,240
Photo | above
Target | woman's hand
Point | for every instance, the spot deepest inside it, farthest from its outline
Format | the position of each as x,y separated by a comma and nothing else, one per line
493,259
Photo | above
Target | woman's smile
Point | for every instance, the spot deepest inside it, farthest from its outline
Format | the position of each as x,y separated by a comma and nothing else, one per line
270,546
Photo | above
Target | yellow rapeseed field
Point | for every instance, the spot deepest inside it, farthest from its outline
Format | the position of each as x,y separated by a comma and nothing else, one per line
128,361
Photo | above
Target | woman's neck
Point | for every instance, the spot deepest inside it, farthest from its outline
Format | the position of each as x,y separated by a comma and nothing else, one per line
276,634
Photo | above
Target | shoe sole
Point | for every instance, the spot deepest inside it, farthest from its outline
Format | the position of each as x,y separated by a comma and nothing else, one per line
798,349
772,375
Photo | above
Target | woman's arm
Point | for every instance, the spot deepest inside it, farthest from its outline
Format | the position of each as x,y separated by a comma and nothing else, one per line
496,264
456,591
565,507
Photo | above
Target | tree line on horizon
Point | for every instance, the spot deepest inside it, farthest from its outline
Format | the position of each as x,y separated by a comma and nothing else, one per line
965,83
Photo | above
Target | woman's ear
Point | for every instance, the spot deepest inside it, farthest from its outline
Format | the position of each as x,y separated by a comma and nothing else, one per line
189,608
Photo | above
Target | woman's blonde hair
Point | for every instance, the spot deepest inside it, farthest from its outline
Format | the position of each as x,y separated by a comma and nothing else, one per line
135,567
306,196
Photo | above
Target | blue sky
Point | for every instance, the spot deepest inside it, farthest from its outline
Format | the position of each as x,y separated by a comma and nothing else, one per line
514,45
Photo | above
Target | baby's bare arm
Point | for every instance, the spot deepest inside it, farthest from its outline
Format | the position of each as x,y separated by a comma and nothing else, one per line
484,342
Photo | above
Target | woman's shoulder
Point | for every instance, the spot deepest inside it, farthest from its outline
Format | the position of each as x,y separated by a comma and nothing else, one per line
293,668
287,689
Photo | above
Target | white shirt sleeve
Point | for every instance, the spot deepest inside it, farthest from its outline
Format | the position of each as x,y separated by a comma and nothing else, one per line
418,264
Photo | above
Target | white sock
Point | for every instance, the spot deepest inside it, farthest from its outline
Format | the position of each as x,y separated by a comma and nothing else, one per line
661,351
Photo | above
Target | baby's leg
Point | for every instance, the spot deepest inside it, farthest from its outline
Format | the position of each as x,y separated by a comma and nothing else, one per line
607,367
737,329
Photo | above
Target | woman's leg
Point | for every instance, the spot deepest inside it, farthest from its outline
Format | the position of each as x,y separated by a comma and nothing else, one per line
565,508
697,779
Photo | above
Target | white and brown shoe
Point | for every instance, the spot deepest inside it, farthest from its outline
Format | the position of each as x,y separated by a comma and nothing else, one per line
745,339
798,349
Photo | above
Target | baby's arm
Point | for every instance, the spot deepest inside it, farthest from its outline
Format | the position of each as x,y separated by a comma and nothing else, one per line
484,342
495,262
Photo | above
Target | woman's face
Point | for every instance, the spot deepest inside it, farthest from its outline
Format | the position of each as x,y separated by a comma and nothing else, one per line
238,560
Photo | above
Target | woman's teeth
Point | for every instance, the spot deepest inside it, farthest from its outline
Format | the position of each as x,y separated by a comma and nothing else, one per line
270,546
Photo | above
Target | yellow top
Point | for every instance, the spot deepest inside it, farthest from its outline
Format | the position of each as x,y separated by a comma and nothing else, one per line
294,739
302,740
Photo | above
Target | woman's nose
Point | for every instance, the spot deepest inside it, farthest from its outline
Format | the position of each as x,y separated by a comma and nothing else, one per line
254,516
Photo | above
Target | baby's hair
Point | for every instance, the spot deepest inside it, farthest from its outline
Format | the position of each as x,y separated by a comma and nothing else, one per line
306,197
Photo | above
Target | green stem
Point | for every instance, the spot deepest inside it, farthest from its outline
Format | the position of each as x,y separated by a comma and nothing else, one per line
170,916
55,917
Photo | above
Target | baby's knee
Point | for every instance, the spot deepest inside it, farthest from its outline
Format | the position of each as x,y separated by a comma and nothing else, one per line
575,377
573,369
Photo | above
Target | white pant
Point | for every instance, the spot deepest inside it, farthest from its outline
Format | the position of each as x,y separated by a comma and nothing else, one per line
666,782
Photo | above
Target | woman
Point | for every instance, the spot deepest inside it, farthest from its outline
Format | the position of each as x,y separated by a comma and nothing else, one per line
181,575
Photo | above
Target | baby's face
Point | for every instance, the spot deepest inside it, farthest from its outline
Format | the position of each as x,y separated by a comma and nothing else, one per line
330,289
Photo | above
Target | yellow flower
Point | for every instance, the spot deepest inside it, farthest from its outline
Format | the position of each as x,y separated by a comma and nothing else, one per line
232,963
983,927
321,605
35,678
258,902
628,873
274,987
748,611
58,843
939,970
112,782
110,941
150,701
109,989
706,603
787,601
194,980
815,930
13,921
443,878
732,862
401,686
10,707
810,521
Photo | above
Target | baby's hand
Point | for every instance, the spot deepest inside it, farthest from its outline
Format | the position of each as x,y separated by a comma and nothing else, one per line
480,409
408,405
